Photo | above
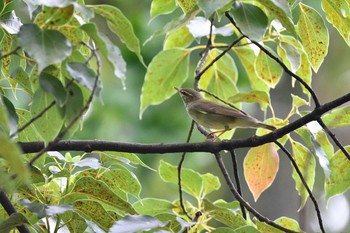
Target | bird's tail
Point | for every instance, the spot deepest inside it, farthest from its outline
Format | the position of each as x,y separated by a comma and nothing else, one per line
266,126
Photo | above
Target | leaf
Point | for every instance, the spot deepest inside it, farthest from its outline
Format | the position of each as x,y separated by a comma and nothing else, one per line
45,46
99,191
200,26
10,22
314,35
252,97
93,211
21,77
210,6
337,118
167,70
283,221
135,223
187,5
29,134
153,206
307,165
290,55
192,182
268,69
123,157
221,78
11,152
159,7
82,73
13,221
248,58
74,222
227,216
58,16
121,26
108,50
260,168
12,118
250,19
210,183
180,38
50,123
339,180
337,13
54,87
279,9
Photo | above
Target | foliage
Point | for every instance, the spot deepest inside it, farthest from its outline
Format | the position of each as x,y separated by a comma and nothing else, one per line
56,60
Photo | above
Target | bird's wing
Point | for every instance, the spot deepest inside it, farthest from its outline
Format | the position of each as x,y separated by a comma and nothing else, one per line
220,109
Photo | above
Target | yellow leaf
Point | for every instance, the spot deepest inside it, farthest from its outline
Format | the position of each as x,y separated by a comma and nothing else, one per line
260,168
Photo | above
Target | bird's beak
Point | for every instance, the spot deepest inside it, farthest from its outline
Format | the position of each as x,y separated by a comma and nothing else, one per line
178,89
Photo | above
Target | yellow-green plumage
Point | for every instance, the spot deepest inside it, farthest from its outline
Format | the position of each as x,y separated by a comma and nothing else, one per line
213,115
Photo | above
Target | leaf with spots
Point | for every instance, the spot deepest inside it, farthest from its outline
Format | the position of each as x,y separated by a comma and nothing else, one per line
167,70
268,69
260,168
307,165
314,35
339,180
260,97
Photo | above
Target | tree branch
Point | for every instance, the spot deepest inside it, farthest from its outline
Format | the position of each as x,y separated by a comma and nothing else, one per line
313,199
206,146
242,201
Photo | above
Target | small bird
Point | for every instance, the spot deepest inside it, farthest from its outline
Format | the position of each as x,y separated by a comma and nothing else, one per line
217,116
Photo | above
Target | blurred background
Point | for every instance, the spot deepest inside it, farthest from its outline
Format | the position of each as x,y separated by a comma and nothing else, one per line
116,117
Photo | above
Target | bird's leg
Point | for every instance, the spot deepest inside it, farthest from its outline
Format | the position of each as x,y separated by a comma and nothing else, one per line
220,132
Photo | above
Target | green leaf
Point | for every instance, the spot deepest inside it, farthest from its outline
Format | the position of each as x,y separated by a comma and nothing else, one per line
167,70
180,38
268,69
108,50
337,118
187,5
192,182
260,168
45,46
159,7
21,77
210,183
153,206
15,220
123,157
227,216
314,35
82,73
221,78
29,134
136,223
210,6
337,13
283,221
50,123
307,165
339,180
58,16
250,19
252,97
11,113
93,211
99,191
54,87
121,26
290,55
74,222
278,9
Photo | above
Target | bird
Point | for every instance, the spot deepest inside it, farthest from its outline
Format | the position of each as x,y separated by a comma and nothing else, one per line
217,116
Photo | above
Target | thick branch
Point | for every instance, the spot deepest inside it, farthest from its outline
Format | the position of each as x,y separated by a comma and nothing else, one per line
207,146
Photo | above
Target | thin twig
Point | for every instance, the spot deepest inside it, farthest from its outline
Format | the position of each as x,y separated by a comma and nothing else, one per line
332,135
179,170
10,209
285,68
204,54
312,197
9,53
242,201
198,75
237,180
79,115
